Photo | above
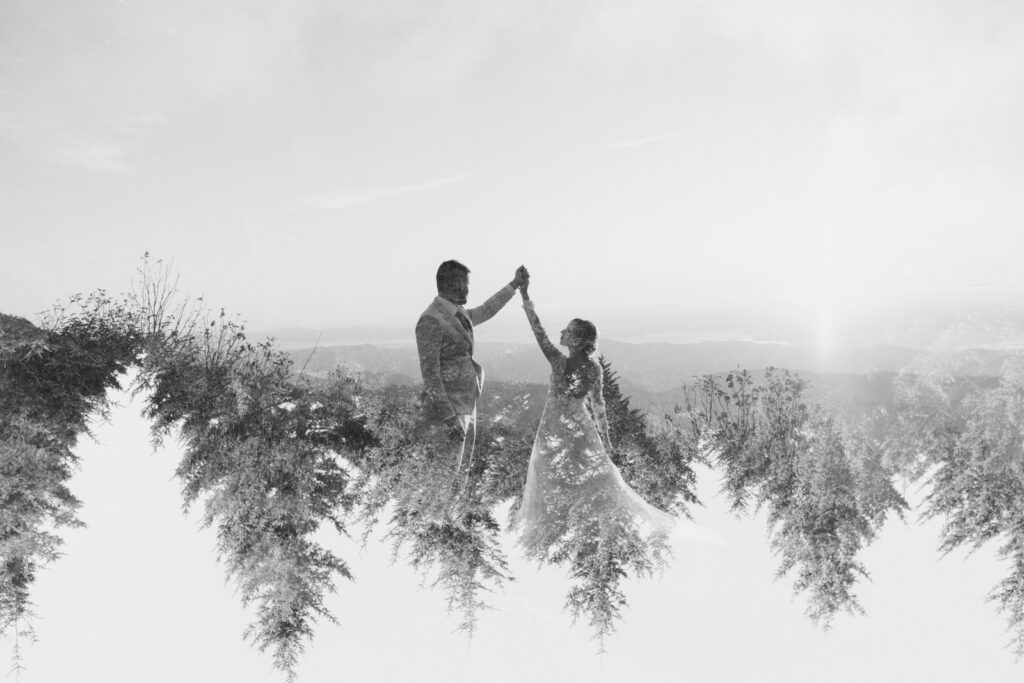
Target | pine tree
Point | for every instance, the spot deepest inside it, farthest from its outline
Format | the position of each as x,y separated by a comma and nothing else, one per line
968,433
600,543
826,491
443,518
52,380
256,456
656,464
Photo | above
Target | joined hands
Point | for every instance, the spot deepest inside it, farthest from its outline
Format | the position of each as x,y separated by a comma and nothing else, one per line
522,278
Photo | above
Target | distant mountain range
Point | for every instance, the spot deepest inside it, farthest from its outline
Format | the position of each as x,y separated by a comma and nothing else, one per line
974,315
654,367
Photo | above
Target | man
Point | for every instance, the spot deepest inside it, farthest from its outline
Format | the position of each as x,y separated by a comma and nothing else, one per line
452,380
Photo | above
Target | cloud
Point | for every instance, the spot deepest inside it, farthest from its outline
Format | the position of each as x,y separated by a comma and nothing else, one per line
615,35
65,144
625,144
91,153
77,77
347,199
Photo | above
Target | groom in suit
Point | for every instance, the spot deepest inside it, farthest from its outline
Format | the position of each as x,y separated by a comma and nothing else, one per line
452,380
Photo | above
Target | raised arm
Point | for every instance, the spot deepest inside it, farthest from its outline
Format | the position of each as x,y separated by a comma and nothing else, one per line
489,308
428,344
597,404
551,351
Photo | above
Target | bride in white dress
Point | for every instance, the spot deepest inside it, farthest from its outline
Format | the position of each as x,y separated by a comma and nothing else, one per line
574,492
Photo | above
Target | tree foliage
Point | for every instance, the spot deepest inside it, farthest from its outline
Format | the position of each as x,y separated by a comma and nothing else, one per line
965,435
826,491
52,382
587,530
602,544
654,460
442,517
274,457
257,455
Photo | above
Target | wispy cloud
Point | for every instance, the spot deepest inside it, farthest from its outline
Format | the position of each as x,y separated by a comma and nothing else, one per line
76,144
651,139
92,154
347,199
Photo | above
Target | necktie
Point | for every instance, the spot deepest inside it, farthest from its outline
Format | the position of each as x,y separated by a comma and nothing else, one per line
464,320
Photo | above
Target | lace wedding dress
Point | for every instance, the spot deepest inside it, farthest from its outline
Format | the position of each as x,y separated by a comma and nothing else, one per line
573,489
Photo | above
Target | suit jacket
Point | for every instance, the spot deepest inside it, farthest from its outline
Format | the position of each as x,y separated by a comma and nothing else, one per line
452,380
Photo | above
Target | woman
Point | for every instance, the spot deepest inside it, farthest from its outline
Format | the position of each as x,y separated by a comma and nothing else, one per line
572,484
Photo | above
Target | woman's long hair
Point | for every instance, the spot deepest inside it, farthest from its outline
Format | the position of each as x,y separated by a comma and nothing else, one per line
586,334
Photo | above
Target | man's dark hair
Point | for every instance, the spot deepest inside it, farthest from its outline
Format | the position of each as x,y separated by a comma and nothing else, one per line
449,271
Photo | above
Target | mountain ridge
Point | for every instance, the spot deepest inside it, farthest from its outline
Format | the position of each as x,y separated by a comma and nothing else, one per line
651,366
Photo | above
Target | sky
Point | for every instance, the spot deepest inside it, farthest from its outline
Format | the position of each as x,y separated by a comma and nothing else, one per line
309,164
140,595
